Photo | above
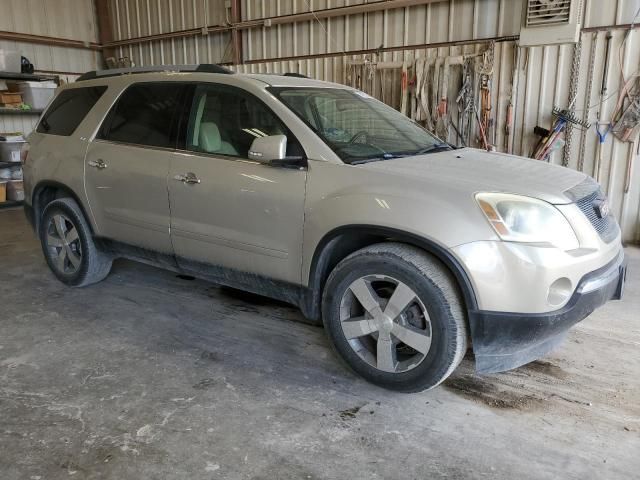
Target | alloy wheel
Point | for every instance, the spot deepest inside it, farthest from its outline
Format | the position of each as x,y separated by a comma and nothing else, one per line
385,323
64,244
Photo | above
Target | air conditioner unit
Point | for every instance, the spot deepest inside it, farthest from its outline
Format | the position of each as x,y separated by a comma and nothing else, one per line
549,22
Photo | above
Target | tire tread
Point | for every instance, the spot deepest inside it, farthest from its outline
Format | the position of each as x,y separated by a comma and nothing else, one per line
433,271
96,264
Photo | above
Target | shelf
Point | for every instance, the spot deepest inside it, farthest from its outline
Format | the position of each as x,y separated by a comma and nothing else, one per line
10,164
11,203
17,111
33,77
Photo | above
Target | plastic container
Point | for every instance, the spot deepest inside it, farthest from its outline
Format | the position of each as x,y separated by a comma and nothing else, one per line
15,190
10,151
10,61
3,191
37,94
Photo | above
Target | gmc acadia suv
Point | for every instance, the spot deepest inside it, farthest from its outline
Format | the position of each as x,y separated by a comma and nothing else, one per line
406,249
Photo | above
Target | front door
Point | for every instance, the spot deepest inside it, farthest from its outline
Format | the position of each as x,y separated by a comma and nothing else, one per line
126,167
227,211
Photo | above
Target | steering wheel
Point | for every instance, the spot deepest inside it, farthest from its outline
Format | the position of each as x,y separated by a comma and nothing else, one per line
357,136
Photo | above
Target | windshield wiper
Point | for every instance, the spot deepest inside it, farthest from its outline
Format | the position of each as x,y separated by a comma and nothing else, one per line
388,156
433,148
360,161
384,156
430,149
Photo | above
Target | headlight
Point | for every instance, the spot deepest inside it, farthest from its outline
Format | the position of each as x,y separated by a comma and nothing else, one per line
516,218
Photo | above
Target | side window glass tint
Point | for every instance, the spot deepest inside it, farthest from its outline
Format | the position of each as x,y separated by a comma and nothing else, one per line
226,120
69,109
143,115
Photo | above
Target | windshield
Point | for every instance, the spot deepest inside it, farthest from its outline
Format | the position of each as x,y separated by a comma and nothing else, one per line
357,127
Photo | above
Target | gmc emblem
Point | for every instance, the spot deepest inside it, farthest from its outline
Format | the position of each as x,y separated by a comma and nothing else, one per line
601,207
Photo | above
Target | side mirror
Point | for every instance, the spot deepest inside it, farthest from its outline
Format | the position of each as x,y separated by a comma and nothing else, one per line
272,150
267,149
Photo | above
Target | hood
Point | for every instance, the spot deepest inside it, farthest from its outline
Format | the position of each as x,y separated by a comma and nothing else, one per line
473,171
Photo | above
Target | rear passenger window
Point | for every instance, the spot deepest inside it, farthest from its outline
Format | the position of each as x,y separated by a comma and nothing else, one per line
144,115
69,109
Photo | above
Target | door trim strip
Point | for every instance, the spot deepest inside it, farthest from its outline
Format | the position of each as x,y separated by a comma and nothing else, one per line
225,242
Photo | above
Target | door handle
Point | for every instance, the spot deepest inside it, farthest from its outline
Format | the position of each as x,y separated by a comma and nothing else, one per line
188,178
99,164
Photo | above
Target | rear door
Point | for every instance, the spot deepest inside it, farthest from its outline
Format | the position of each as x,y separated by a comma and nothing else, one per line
126,166
233,212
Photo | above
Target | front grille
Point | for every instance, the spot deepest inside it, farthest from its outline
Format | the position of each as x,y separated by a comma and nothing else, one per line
607,226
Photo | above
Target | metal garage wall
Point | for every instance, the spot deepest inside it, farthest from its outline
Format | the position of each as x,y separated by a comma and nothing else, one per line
323,49
70,19
449,20
136,18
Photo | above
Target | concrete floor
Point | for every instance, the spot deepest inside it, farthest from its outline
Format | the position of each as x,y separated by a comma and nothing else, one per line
147,375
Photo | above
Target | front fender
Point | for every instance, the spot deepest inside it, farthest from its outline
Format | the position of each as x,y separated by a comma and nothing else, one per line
343,195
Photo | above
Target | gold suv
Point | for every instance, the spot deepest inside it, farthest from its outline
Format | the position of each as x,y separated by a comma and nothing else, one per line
406,249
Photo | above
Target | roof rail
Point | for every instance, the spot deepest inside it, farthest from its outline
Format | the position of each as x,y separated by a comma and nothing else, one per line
294,74
203,68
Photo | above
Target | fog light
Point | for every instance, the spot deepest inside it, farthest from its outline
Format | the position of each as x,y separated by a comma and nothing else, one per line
559,291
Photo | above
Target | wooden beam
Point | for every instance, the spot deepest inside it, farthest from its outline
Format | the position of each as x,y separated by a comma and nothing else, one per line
236,37
51,41
105,26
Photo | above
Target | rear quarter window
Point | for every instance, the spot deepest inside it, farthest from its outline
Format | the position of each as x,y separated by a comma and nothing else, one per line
68,109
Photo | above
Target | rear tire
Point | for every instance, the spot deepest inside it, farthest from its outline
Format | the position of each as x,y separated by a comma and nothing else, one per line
68,246
395,315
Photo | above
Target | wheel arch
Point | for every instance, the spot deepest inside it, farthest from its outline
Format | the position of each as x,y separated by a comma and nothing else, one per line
342,241
46,191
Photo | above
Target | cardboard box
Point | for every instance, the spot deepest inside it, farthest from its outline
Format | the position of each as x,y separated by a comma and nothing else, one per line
10,98
3,191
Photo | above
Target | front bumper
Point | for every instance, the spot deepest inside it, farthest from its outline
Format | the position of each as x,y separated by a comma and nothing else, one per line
504,340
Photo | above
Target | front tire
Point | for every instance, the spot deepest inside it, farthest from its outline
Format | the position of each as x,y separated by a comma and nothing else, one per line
68,245
394,314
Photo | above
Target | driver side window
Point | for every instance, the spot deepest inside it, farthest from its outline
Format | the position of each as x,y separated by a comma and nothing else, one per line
225,121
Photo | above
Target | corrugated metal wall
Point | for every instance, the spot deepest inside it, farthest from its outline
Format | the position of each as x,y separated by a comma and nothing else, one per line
535,78
136,18
451,20
70,19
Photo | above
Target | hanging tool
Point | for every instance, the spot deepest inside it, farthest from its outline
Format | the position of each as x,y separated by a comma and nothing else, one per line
564,117
485,108
465,101
603,92
443,122
627,124
485,72
605,71
435,89
483,135
423,115
508,126
404,85
602,137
